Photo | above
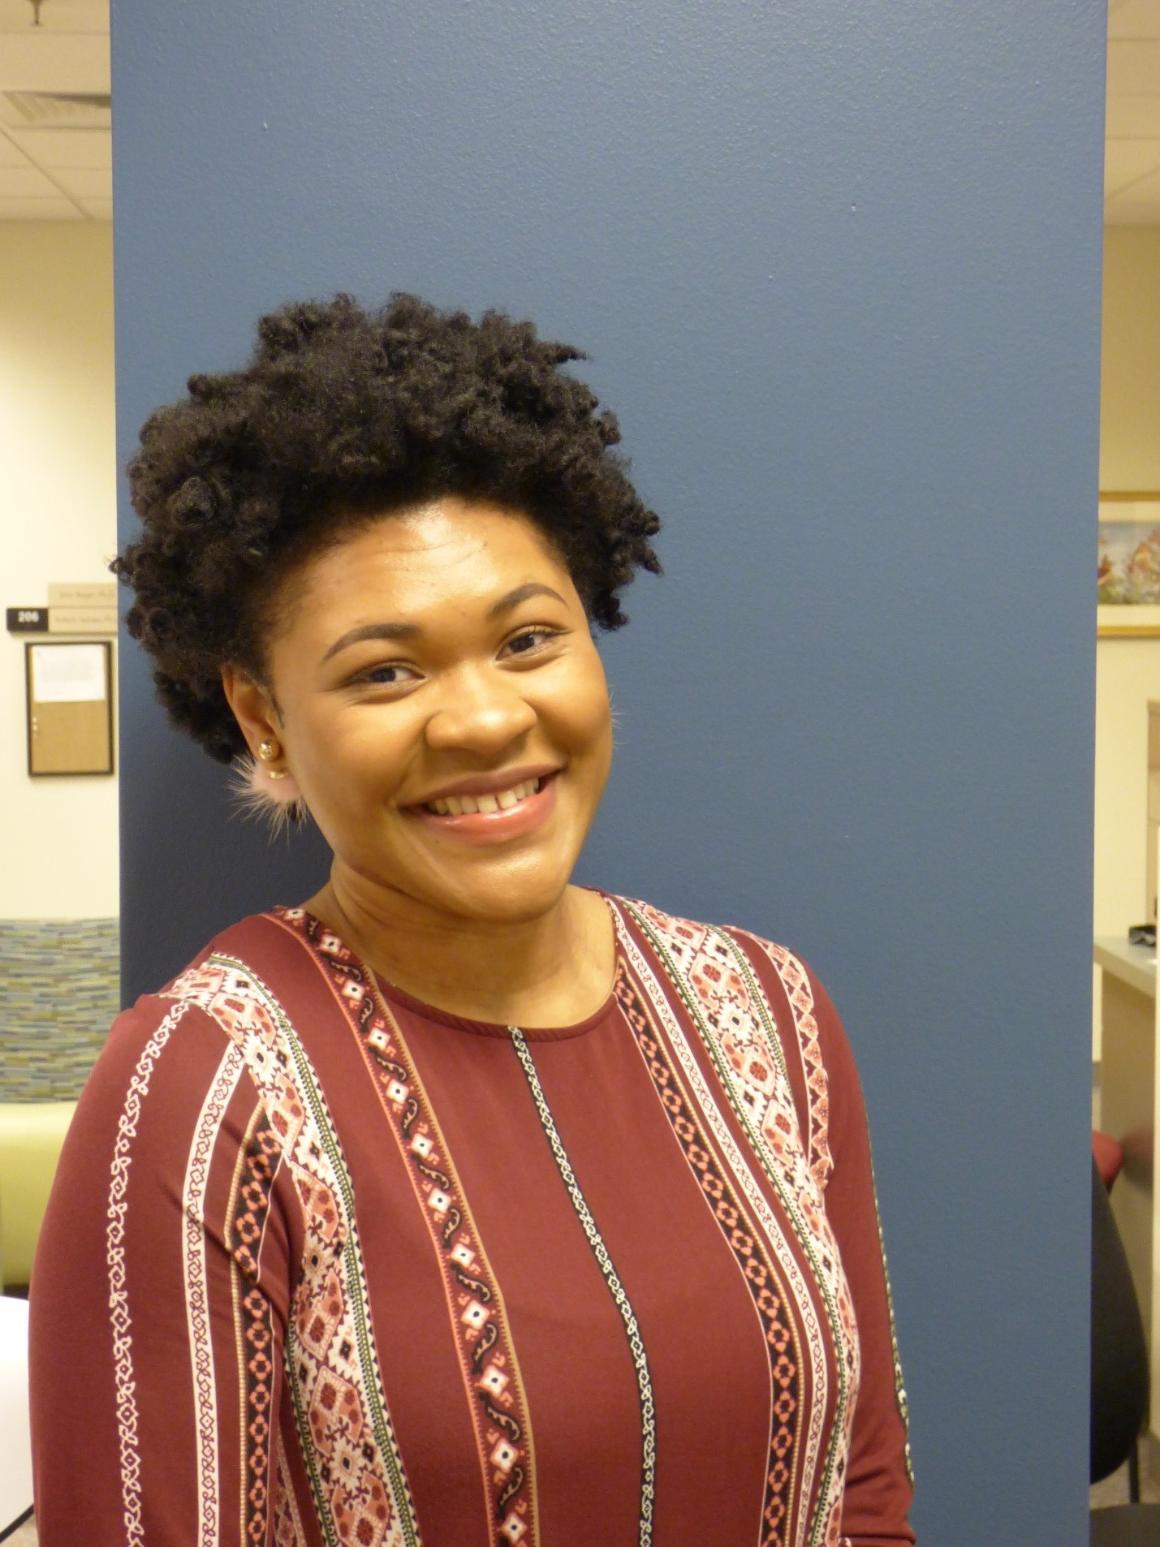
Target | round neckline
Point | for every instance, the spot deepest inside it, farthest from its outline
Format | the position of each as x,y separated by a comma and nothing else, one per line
399,997
394,995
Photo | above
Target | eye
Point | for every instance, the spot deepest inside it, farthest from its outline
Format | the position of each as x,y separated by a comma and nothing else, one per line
531,640
384,676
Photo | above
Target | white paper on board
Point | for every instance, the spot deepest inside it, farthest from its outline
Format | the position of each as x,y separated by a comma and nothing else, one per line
68,674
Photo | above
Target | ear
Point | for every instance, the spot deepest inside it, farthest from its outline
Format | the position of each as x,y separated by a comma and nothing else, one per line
253,708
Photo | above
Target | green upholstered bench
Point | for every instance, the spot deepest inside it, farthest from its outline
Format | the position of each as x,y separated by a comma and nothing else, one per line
60,994
31,1135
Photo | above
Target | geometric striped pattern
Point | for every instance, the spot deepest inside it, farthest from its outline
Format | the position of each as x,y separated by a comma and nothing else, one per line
122,1322
353,1461
196,1294
684,1227
716,985
615,1288
489,1368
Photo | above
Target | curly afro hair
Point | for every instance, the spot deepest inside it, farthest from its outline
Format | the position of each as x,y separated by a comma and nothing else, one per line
342,414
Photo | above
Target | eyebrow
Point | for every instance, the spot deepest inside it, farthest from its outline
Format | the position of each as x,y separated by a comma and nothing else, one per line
506,603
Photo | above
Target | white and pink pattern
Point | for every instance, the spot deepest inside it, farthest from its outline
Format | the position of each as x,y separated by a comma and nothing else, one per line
330,1354
718,986
122,1321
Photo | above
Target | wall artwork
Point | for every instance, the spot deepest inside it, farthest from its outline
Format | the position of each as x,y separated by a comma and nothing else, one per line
1128,572
70,708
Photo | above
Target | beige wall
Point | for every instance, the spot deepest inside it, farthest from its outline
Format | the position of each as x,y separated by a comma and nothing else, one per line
58,517
1127,670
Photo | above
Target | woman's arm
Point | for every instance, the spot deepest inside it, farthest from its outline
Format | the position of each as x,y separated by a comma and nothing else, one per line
158,1299
879,1485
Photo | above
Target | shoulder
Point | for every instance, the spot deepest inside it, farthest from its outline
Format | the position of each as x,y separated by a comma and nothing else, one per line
706,948
756,998
183,1010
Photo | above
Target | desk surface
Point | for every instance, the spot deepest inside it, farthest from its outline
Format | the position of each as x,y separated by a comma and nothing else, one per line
1132,964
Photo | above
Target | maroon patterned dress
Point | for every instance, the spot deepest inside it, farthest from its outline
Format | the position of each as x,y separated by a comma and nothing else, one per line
325,1265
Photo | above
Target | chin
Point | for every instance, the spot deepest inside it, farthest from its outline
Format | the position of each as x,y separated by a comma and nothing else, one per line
513,897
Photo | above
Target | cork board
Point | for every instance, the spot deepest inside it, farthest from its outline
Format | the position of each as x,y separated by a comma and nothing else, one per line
70,708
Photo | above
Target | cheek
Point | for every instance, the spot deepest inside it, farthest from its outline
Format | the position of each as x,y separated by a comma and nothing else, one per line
354,758
591,712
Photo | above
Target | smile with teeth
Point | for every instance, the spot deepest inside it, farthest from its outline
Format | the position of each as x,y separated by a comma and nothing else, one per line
497,800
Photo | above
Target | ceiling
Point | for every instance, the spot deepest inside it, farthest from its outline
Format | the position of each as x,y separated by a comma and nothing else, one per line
56,157
1132,145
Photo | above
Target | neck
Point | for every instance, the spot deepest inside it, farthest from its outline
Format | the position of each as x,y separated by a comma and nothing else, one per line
552,968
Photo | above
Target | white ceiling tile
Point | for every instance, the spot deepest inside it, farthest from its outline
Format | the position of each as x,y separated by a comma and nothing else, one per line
26,183
80,184
10,154
1132,118
97,209
66,147
1134,19
35,60
1126,161
38,209
1134,67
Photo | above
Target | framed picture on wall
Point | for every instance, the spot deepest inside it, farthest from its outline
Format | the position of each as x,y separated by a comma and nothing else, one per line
1128,568
70,708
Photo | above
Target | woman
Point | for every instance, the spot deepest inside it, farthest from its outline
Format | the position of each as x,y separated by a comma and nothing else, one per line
459,1205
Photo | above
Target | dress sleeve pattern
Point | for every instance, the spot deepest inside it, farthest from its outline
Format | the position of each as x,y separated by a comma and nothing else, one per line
795,980
347,1442
737,1026
491,1373
620,1281
121,1322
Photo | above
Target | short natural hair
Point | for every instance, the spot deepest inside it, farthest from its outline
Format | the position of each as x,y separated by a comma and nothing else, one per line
342,413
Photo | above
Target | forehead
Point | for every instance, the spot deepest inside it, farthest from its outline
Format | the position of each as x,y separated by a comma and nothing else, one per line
450,552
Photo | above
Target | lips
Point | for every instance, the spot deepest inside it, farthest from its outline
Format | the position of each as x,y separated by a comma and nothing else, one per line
489,784
497,826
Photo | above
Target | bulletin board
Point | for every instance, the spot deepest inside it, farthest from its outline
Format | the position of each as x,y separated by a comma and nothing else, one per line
70,708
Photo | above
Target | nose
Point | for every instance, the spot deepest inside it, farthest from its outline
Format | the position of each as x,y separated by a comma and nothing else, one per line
481,710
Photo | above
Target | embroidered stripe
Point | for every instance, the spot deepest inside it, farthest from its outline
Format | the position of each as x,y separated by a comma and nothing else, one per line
499,1409
813,1236
308,1087
900,1396
795,980
196,1299
616,1288
246,1227
824,1259
288,1529
329,1346
817,1384
257,1116
122,1322
757,1268
487,1356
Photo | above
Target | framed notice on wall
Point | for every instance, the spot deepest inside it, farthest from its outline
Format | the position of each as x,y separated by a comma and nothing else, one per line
70,708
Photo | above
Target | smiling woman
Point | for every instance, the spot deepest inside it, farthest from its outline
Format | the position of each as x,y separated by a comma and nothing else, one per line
457,1204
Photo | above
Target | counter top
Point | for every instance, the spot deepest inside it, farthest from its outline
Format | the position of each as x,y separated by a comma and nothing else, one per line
1132,964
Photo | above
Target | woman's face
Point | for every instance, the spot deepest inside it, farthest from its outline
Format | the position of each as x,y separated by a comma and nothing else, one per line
443,647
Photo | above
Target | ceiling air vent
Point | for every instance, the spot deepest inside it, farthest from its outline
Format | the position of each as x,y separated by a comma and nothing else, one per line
56,109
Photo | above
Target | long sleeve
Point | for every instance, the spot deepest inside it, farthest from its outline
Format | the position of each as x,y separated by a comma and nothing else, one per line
878,1486
158,1299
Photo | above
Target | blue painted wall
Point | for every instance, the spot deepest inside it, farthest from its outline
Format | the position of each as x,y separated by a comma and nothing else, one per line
838,268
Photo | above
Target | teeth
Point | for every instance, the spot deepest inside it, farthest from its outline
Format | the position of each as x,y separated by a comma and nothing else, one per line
498,800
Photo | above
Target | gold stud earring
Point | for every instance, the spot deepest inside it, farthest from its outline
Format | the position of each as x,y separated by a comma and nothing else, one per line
268,751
